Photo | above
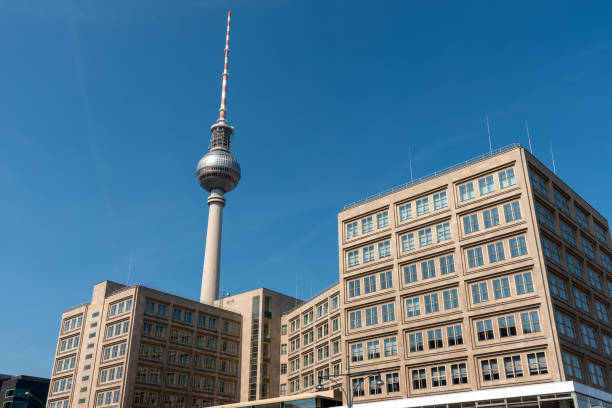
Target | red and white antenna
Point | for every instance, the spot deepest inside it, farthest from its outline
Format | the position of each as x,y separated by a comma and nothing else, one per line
222,108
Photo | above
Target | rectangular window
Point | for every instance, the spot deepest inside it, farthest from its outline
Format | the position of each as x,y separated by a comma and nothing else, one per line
392,381
544,216
489,369
351,230
605,262
501,288
443,231
581,300
405,211
597,375
518,246
582,219
594,278
572,366
438,376
382,220
422,206
588,336
354,288
368,253
551,251
425,237
388,312
602,311
434,339
390,346
407,242
588,248
431,303
524,283
428,269
479,292
513,367
600,233
451,299
353,258
356,352
507,326
484,330
486,185
419,379
371,316
491,217
440,200
565,325
530,322
366,225
470,223
355,319
512,211
410,274
386,280
561,202
415,342
369,284
475,257
496,252
413,307
373,349
506,178
466,191
447,264
459,373
384,249
568,233
454,335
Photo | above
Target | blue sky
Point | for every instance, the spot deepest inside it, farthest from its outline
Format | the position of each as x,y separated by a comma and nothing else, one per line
105,109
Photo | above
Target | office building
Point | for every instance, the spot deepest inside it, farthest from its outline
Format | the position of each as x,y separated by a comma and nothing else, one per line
23,391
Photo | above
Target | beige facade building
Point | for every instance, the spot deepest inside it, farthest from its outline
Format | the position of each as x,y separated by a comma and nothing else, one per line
138,347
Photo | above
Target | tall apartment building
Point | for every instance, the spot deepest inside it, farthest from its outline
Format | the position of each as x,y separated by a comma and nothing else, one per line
488,276
138,347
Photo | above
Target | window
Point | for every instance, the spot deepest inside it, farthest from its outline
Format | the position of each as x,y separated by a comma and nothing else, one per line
551,251
353,258
335,302
407,242
388,312
538,183
544,216
413,307
366,225
415,342
513,367
434,339
454,335
405,211
475,257
518,246
489,370
386,280
351,230
392,381
422,206
443,231
506,178
496,252
373,385
491,217
588,336
466,191
390,345
485,185
537,363
581,218
371,316
501,288
507,326
479,292
565,325
373,349
605,262
596,374
425,237
530,322
561,202
602,311
368,253
382,219
600,234
410,273
581,300
431,303
356,352
609,284
447,264
355,319
568,233
607,341
419,379
369,284
588,248
572,366
451,299
428,269
594,278
512,211
384,249
524,283
459,373
440,200
484,330
354,288
557,286
470,223
438,376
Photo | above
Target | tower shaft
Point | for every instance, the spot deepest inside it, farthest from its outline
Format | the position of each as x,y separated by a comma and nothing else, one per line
212,254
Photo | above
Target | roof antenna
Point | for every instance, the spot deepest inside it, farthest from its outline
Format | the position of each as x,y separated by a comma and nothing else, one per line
410,162
489,133
552,155
528,137
129,273
222,108
296,288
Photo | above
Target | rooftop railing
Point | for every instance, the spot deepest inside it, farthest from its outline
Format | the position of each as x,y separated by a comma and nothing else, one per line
391,190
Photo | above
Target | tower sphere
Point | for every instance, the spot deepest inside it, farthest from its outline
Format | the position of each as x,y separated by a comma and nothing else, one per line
218,169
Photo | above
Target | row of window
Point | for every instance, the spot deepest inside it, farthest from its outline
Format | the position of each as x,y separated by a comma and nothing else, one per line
513,366
69,343
505,326
114,351
375,384
486,184
62,385
59,404
558,287
427,268
496,251
437,376
371,315
502,287
573,368
430,303
435,338
308,316
369,253
111,374
425,237
72,323
385,280
121,307
107,398
114,330
588,335
490,217
373,349
367,224
65,364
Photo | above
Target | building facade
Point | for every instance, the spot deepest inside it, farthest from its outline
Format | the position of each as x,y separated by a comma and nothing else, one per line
135,346
23,391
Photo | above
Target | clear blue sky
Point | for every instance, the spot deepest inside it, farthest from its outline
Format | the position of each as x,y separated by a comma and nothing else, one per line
105,108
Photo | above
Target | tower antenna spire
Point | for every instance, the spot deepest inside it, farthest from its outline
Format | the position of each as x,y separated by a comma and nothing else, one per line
225,75
528,137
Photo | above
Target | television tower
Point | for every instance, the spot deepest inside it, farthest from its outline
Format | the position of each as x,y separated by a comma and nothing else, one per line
218,172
